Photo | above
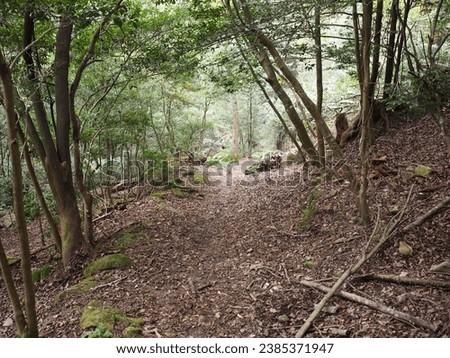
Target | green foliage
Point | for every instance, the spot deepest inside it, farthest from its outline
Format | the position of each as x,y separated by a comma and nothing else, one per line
99,332
109,262
310,210
104,319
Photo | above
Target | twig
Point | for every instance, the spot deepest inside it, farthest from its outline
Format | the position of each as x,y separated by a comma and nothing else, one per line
405,280
109,284
192,287
376,305
427,215
35,252
102,217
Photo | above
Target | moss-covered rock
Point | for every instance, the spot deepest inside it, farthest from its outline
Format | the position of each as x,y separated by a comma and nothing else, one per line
95,313
42,273
84,285
102,319
134,330
422,171
109,262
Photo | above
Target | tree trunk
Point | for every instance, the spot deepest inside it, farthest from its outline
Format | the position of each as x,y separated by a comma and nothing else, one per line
366,112
235,141
31,329
39,194
390,52
402,40
376,49
319,80
55,157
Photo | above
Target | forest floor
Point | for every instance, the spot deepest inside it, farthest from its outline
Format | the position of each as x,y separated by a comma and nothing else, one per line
226,260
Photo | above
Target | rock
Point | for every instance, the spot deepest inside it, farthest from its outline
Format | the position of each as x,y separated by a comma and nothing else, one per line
283,318
404,249
8,322
422,171
406,175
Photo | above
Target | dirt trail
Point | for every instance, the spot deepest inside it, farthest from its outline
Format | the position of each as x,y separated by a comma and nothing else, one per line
227,259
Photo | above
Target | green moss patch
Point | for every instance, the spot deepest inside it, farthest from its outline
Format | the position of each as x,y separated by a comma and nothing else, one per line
199,178
95,313
134,329
158,195
41,273
110,262
12,260
422,171
177,192
130,236
103,319
83,286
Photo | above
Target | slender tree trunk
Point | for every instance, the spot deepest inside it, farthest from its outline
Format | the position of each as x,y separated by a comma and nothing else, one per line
376,49
235,141
402,40
366,112
16,169
390,52
48,215
319,79
358,54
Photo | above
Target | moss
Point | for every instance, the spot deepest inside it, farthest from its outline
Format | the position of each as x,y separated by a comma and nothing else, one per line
158,195
134,330
84,285
309,263
98,315
128,238
12,260
177,192
41,273
95,313
422,171
110,262
199,178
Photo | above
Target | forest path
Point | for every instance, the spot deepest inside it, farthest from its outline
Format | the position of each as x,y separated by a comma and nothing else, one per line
227,259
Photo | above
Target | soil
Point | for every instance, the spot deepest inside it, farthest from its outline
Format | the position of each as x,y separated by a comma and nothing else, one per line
226,259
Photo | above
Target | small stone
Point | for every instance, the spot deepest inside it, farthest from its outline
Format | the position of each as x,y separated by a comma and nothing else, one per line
8,322
404,249
283,318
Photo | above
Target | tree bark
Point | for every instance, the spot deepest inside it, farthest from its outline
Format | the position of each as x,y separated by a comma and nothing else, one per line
390,52
235,140
16,171
319,79
366,113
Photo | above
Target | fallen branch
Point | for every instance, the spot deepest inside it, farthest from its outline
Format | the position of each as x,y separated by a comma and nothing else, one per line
102,216
33,253
428,215
388,232
375,305
405,280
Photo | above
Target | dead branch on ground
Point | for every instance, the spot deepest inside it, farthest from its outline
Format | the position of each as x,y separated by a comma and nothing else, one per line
389,231
428,215
405,280
375,305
